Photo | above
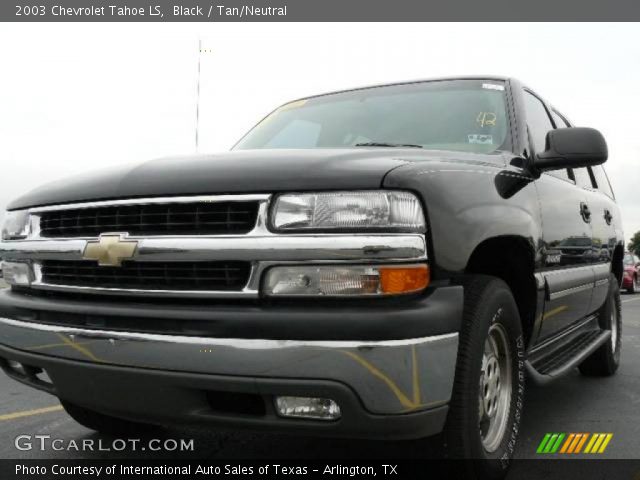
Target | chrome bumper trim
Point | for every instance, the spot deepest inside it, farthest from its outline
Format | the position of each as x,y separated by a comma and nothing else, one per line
391,377
285,247
262,252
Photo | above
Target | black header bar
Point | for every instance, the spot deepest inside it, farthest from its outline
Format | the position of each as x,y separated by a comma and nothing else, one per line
318,11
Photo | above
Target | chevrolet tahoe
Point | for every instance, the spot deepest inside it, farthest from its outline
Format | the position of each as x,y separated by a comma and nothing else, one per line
384,262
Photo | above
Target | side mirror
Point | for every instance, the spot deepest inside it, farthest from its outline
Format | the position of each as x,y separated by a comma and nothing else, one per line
572,148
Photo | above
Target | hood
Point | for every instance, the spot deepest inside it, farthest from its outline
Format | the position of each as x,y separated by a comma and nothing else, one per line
244,171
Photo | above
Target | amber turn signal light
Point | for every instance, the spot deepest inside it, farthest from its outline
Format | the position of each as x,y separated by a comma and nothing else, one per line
404,279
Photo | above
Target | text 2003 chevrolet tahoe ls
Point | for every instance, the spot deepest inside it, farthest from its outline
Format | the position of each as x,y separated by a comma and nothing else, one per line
380,262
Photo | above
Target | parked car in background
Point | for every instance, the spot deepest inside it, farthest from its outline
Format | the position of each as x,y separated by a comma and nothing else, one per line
631,277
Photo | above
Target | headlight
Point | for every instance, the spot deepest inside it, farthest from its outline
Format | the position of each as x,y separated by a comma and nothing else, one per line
364,210
345,280
16,225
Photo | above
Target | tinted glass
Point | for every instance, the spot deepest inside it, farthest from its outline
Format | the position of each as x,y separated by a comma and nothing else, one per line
628,260
602,180
296,134
538,121
462,115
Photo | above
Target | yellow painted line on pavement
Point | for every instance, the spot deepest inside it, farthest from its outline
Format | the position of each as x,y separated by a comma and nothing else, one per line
30,413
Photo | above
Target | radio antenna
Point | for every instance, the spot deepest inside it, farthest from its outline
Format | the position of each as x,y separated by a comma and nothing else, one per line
198,94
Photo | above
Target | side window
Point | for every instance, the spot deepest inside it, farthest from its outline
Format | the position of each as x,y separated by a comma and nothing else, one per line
602,181
562,174
538,121
583,177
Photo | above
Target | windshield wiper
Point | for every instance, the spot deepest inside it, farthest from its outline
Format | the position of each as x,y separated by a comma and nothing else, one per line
383,144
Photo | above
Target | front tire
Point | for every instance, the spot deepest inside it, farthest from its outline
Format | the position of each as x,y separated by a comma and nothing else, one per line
633,288
488,395
604,362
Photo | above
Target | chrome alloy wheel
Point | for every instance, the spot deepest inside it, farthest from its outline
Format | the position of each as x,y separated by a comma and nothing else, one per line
614,329
495,388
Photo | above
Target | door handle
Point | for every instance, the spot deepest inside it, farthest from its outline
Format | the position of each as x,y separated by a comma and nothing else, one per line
585,212
608,217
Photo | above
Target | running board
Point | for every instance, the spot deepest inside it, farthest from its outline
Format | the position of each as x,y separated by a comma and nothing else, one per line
558,362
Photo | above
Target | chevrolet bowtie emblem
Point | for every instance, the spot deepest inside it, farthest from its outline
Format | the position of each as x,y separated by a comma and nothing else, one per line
110,250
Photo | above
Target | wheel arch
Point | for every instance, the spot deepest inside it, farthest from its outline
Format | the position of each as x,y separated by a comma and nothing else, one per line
512,259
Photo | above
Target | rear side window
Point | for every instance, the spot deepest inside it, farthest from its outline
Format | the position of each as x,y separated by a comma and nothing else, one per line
538,121
602,181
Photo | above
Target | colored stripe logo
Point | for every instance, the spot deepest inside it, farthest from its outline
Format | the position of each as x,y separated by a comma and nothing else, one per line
574,443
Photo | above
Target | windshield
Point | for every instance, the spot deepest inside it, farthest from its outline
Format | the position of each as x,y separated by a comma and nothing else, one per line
628,260
461,115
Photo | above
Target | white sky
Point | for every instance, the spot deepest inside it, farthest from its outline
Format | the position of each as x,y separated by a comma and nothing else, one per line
75,97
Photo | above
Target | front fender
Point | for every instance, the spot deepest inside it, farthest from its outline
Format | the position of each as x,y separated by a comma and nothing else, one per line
467,204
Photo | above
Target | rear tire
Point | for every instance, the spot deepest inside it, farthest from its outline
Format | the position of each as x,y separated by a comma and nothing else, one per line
604,362
488,394
105,423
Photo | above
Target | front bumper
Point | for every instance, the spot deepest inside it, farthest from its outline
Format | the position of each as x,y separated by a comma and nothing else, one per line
386,388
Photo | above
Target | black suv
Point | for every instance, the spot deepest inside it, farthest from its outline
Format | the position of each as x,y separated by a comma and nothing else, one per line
385,262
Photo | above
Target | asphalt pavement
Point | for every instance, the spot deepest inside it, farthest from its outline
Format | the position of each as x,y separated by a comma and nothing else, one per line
573,404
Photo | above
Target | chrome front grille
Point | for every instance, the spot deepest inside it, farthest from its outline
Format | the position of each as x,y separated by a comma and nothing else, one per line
178,276
197,218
